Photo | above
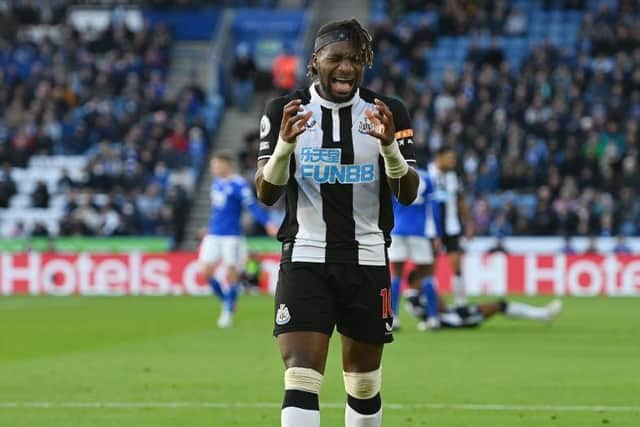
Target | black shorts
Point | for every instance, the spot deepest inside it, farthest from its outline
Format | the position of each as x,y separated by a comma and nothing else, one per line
318,297
466,316
452,243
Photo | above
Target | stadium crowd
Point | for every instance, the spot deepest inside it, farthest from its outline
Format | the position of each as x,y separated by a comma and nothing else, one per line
103,95
550,147
547,146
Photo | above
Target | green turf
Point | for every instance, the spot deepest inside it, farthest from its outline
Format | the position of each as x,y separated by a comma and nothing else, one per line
167,349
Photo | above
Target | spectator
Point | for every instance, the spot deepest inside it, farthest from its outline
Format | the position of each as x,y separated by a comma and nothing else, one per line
516,23
498,247
65,183
108,221
592,247
39,230
567,248
197,148
178,137
7,185
150,205
40,196
621,247
251,274
243,71
285,71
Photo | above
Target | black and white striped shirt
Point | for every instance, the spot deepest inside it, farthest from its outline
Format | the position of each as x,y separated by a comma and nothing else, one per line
446,190
338,202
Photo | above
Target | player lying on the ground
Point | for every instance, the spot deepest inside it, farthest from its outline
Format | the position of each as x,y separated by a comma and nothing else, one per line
437,314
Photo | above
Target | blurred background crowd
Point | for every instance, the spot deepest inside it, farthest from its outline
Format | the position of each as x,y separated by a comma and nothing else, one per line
547,144
541,100
99,94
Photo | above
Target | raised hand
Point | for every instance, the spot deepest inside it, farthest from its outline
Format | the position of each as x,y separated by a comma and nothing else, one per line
293,123
383,127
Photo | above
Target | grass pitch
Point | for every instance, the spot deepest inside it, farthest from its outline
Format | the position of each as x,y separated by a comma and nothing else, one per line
160,361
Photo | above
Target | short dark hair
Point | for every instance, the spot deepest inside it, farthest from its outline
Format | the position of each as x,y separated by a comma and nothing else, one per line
360,37
225,155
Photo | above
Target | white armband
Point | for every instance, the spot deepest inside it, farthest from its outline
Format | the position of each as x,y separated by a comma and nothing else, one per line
395,165
276,170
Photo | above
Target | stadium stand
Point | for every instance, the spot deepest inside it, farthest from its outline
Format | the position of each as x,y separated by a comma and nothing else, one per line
90,141
540,98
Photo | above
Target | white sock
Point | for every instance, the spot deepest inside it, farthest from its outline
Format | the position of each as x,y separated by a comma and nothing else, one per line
525,311
356,419
298,417
459,291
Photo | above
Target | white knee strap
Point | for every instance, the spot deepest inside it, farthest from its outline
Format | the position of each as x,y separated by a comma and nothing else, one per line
363,385
303,379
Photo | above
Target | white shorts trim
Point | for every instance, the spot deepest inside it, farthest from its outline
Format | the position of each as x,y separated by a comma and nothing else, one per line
415,248
231,251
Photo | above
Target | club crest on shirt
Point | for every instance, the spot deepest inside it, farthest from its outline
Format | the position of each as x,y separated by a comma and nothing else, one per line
365,126
265,126
311,124
282,316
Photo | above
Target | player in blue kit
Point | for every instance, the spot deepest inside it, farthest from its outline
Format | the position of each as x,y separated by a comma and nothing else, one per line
409,243
224,244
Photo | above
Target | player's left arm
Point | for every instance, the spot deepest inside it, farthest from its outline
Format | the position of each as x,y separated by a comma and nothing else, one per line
260,214
465,215
393,129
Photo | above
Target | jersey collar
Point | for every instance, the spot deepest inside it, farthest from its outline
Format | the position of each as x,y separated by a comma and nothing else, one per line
316,98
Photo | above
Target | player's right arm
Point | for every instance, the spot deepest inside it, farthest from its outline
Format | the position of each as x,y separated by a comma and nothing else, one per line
276,146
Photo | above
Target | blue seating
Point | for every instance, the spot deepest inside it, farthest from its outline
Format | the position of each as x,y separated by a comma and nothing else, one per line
267,32
196,24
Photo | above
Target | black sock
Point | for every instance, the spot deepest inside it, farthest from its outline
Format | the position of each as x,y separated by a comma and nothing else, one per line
365,406
301,399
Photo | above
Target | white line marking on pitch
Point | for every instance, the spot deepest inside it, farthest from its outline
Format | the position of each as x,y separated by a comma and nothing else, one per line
274,405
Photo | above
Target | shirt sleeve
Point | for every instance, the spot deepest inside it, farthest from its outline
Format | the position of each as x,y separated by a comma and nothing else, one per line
404,132
250,202
270,127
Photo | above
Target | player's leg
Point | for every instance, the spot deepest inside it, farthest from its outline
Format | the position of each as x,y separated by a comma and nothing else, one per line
362,382
233,259
520,310
414,303
305,318
304,355
435,306
365,322
433,302
423,279
490,309
455,257
208,257
398,254
472,315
